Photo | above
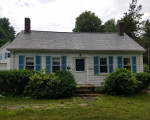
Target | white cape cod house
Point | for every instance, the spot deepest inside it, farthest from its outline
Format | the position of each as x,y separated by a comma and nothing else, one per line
89,56
4,57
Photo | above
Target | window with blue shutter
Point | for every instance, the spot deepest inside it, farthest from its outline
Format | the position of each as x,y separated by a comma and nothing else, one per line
96,65
110,64
38,63
119,60
134,64
48,64
63,63
21,62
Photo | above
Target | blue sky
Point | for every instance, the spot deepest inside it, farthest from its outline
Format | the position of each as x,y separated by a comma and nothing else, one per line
60,15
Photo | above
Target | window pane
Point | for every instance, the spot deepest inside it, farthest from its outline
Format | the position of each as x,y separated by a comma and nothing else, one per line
126,61
0,57
56,68
56,61
127,67
103,61
29,67
80,65
30,61
103,69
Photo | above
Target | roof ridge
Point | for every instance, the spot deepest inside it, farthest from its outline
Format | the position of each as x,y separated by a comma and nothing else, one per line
74,32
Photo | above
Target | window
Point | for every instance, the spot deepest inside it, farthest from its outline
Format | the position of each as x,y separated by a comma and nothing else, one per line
127,63
55,64
0,56
80,65
29,62
103,65
8,55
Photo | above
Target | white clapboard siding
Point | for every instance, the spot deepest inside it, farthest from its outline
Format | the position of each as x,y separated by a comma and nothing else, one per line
89,65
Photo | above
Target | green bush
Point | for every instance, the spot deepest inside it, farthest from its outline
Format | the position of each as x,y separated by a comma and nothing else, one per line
13,82
144,80
120,82
146,68
59,85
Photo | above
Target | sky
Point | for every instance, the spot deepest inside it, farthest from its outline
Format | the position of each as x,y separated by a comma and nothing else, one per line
60,15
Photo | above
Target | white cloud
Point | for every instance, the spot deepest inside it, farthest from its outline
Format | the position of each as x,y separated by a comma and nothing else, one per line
60,15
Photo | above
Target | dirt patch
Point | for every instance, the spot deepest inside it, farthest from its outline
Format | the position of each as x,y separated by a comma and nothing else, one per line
90,99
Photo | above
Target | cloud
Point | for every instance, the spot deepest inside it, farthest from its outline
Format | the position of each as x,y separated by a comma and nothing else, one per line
60,15
46,1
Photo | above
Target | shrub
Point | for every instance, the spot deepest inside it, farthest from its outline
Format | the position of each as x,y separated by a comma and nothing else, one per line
146,68
67,83
13,82
120,82
59,85
144,80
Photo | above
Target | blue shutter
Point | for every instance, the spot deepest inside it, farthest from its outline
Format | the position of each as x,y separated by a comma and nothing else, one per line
48,64
119,58
63,63
134,64
110,64
38,63
96,65
21,62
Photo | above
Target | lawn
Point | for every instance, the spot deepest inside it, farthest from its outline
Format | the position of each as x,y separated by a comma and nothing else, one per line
103,107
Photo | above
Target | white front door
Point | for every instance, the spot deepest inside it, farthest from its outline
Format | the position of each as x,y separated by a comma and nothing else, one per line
80,70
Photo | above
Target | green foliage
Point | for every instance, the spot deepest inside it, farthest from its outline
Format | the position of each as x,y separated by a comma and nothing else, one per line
87,22
59,85
146,68
120,82
7,32
13,82
132,20
110,26
144,80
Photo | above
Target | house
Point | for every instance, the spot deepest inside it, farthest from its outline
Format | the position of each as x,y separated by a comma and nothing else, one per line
4,57
89,56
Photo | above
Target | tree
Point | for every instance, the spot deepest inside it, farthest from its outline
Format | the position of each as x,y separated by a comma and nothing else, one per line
7,32
147,35
131,20
110,26
3,37
87,22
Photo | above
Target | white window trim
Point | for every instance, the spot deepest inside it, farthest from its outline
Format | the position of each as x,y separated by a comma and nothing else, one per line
107,65
52,62
130,61
25,61
84,64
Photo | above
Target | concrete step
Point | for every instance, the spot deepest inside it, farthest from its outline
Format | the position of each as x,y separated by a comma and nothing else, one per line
82,91
87,95
85,91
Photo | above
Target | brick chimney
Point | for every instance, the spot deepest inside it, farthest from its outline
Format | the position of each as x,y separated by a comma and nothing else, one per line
121,29
27,25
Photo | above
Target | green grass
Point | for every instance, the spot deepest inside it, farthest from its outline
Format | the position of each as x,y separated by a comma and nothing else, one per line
102,108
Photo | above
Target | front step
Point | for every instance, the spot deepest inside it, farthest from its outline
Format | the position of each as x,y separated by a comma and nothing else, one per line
85,91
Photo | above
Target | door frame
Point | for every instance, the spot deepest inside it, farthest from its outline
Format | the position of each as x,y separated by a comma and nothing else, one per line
85,67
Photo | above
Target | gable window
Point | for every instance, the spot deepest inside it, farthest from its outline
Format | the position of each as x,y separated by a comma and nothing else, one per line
80,65
103,65
127,63
6,55
55,64
29,63
0,56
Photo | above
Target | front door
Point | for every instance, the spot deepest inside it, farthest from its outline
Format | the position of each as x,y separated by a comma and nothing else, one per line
80,70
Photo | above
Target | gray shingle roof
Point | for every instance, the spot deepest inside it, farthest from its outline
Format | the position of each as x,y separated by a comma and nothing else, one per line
47,40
